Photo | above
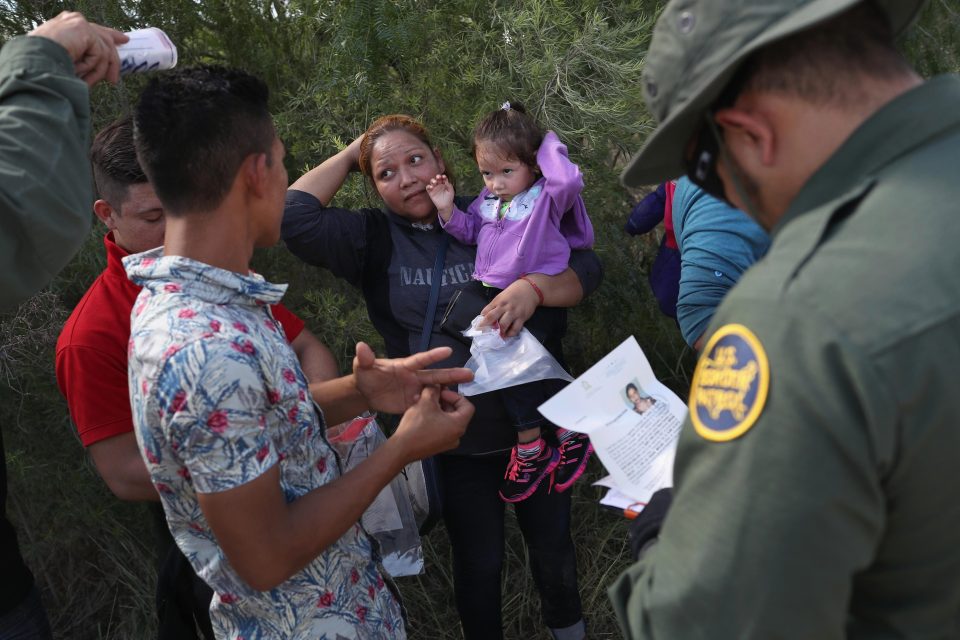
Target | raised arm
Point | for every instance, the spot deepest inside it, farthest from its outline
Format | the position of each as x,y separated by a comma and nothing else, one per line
325,179
45,193
563,179
464,226
330,237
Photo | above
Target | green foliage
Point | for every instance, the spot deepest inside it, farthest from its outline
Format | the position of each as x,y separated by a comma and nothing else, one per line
933,45
93,555
332,68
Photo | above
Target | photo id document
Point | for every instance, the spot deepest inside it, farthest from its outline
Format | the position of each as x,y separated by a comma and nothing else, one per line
632,419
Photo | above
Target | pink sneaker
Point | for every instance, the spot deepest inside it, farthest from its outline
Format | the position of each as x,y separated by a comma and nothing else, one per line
575,451
524,475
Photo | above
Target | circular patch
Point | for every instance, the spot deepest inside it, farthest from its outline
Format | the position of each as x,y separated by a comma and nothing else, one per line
730,384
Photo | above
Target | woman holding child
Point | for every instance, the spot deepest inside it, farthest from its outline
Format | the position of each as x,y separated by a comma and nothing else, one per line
391,255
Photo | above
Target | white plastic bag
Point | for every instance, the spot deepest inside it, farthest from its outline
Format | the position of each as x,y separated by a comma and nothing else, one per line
390,518
498,363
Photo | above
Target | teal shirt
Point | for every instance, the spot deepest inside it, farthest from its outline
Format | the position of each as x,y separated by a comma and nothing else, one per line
717,244
821,499
45,182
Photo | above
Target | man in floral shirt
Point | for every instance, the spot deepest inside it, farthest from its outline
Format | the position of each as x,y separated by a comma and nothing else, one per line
224,416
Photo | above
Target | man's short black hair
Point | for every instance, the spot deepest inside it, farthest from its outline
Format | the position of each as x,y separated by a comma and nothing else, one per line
825,63
114,161
194,128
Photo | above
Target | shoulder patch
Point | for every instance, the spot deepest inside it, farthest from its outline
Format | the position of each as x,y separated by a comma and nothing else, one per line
730,384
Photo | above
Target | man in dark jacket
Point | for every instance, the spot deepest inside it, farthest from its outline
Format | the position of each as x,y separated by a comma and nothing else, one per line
816,479
45,197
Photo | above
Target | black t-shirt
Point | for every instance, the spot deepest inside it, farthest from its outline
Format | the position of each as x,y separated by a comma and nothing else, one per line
391,260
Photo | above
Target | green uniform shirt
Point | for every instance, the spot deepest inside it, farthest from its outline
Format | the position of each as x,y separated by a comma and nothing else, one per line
45,183
818,475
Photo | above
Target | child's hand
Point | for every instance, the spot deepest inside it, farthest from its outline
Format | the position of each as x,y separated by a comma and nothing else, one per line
441,192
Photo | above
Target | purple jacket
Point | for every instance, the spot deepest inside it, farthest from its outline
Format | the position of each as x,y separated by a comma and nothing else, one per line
541,226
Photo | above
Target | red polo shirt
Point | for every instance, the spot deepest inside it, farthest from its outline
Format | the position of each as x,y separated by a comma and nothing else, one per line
92,351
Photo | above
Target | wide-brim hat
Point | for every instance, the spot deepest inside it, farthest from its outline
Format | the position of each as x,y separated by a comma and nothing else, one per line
697,47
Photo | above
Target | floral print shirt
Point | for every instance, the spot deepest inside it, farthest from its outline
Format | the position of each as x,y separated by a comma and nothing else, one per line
218,399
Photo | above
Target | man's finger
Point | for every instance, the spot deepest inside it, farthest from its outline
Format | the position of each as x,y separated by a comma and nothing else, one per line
113,64
365,357
451,400
461,407
449,396
454,375
430,394
424,359
100,64
83,67
111,35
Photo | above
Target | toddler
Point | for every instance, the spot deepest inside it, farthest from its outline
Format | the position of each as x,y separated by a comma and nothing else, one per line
526,220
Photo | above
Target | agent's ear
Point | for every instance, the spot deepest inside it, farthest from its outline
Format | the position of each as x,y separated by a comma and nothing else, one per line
749,135
105,213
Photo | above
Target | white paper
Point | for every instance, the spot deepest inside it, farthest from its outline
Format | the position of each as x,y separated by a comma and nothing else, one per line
632,419
617,500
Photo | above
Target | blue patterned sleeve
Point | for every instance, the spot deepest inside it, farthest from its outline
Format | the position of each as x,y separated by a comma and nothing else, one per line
214,401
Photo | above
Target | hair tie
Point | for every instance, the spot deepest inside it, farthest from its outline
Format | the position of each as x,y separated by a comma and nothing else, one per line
505,106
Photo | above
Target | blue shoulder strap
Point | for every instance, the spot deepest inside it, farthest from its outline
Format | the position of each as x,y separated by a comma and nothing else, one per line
434,293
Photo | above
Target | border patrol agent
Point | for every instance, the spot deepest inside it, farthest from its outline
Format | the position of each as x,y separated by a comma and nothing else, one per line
817,480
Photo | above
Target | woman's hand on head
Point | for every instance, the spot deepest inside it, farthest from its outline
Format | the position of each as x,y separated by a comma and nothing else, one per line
325,179
352,152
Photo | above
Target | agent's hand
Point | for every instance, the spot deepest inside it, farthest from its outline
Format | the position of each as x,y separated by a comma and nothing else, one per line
441,192
511,308
393,385
645,529
434,424
92,48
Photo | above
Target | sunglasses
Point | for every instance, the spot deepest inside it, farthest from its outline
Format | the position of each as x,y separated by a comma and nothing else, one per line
701,165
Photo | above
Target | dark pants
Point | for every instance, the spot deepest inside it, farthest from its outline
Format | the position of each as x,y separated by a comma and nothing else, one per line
183,599
548,325
21,611
473,514
28,621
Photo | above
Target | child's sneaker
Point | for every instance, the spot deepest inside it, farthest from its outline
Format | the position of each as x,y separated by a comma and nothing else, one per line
524,474
575,451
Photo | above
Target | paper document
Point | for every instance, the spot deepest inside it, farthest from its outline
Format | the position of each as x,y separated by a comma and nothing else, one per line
632,419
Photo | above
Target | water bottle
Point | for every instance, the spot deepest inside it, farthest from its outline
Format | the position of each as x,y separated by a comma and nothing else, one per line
148,50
